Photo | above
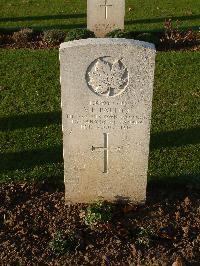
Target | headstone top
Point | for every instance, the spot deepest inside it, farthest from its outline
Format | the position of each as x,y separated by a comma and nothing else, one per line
107,41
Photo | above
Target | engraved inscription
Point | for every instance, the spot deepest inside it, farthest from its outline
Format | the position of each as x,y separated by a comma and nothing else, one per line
107,76
107,115
105,26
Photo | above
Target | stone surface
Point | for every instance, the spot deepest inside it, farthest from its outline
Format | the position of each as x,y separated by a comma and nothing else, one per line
107,87
104,16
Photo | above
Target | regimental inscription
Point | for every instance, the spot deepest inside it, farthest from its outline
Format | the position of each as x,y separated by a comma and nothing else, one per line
106,26
106,115
107,76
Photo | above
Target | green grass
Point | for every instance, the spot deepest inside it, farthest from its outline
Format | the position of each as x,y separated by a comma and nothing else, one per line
31,139
175,139
67,14
30,124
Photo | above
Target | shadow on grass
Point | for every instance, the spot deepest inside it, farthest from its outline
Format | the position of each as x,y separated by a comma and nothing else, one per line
71,16
162,19
47,17
30,120
60,26
30,158
9,30
160,188
175,138
40,28
169,182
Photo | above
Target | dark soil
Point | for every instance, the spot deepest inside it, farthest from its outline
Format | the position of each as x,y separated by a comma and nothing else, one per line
165,230
37,42
7,42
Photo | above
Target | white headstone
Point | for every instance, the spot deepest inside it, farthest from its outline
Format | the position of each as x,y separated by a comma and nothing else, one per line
104,16
107,87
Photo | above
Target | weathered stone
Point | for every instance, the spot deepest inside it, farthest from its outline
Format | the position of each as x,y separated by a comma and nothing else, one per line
107,87
104,16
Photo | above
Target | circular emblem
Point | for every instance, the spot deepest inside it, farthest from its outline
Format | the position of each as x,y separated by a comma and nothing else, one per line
107,76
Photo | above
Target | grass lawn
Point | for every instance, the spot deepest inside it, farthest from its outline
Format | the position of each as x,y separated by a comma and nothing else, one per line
67,14
30,117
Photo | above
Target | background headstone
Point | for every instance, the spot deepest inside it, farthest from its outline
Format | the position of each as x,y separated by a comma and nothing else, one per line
104,16
107,87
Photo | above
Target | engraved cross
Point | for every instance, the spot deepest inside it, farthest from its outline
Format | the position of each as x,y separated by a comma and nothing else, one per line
105,148
106,8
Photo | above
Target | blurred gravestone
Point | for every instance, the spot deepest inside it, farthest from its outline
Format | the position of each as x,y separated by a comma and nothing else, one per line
104,16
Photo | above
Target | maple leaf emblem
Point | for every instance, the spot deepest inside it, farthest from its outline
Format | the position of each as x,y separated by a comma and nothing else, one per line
108,79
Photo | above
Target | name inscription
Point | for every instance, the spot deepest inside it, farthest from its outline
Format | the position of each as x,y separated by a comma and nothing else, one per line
106,115
105,26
